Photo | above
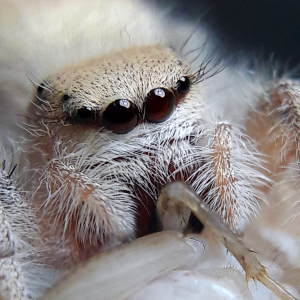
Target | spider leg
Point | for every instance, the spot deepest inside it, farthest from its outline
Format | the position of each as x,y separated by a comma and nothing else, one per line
274,125
12,281
182,194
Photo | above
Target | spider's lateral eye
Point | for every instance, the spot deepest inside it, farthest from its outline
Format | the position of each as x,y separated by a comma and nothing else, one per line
121,116
85,115
159,105
183,85
40,89
66,97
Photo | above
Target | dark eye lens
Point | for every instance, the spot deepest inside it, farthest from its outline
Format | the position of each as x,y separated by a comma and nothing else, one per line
40,89
159,106
183,85
66,97
121,116
85,115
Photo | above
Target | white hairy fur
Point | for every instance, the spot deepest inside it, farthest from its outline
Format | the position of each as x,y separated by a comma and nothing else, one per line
77,187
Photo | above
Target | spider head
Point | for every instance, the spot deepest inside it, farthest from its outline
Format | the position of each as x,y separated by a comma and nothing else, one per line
112,131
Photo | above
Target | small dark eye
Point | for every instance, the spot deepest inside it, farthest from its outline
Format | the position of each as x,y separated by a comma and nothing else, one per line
183,85
66,97
85,115
40,89
121,116
159,105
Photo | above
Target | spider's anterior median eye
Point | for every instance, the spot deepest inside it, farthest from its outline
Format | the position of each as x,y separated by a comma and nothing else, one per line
85,115
183,85
160,104
121,116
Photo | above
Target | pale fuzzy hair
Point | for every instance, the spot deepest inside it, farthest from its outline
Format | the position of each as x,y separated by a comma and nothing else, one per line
41,37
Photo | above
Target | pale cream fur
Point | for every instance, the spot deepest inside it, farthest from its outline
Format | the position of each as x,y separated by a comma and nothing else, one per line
85,184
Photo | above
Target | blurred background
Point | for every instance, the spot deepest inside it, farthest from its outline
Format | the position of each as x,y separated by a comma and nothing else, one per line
265,28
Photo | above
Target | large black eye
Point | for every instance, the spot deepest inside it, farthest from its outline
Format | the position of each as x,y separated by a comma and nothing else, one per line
183,85
85,115
121,116
159,105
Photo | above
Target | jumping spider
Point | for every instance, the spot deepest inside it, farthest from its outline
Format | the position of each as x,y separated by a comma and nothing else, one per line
102,137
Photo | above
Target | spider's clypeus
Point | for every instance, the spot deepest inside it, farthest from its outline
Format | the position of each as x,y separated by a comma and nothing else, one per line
102,136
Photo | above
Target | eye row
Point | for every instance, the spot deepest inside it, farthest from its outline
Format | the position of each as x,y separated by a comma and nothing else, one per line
122,115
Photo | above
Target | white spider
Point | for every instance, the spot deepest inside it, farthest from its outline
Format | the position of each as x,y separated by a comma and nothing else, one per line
122,103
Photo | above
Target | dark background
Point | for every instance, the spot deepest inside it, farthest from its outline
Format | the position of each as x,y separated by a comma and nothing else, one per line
261,27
